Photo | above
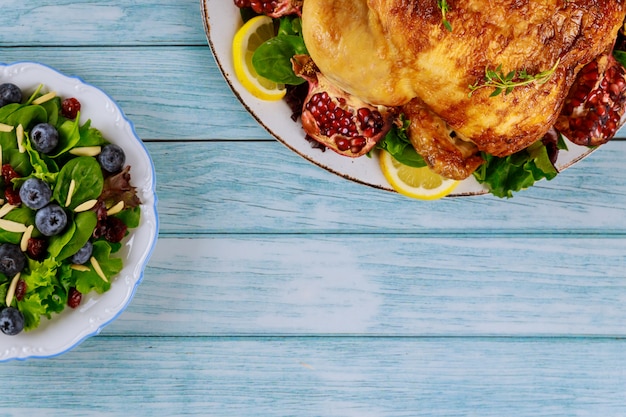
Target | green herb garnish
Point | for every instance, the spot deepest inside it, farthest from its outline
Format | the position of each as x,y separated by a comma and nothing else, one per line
443,5
501,82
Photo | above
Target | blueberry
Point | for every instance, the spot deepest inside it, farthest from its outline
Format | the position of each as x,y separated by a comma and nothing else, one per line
12,259
35,193
112,158
44,137
11,321
9,93
51,220
83,254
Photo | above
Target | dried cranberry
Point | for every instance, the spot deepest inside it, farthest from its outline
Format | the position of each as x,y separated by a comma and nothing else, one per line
99,230
37,248
74,297
8,173
20,290
12,196
115,230
101,210
70,107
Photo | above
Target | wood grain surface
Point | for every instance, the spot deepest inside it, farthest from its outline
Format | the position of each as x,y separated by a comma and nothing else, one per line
280,289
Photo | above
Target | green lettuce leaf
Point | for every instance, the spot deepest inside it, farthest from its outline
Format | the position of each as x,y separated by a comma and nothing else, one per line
44,293
504,176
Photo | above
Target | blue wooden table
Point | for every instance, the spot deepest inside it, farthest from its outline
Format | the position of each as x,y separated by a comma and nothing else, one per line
279,289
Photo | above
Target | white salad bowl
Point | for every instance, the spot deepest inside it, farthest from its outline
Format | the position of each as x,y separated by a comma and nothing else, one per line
66,330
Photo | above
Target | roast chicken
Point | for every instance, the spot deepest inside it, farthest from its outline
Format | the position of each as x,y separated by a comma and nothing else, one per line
399,53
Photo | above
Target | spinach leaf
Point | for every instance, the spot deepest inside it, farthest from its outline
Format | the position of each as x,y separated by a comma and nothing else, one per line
272,59
290,25
74,237
90,280
41,165
19,161
27,116
69,136
22,215
5,111
52,108
398,144
90,136
86,173
130,217
620,56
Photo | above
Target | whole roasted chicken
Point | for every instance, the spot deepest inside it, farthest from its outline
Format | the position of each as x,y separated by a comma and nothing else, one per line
432,65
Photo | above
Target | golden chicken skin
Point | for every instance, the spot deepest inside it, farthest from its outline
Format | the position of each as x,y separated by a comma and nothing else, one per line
399,53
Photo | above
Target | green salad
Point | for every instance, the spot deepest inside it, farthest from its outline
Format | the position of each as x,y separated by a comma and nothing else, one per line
66,203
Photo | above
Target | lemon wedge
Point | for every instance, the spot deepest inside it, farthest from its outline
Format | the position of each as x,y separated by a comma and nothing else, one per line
421,183
247,39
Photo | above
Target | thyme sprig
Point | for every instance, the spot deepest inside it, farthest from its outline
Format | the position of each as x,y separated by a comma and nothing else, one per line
443,5
501,82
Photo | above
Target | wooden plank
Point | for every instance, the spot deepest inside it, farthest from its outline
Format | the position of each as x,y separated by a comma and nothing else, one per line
324,376
85,22
169,92
262,187
371,284
172,93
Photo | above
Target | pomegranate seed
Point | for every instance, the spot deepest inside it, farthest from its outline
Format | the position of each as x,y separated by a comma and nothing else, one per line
342,143
357,144
369,132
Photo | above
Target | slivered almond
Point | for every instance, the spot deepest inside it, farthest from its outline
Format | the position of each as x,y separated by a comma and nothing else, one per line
70,193
19,132
26,237
87,205
0,154
5,209
11,226
86,150
6,128
96,267
78,267
12,287
115,209
46,97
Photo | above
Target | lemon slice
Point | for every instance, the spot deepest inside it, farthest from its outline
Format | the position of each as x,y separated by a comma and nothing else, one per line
422,183
247,39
